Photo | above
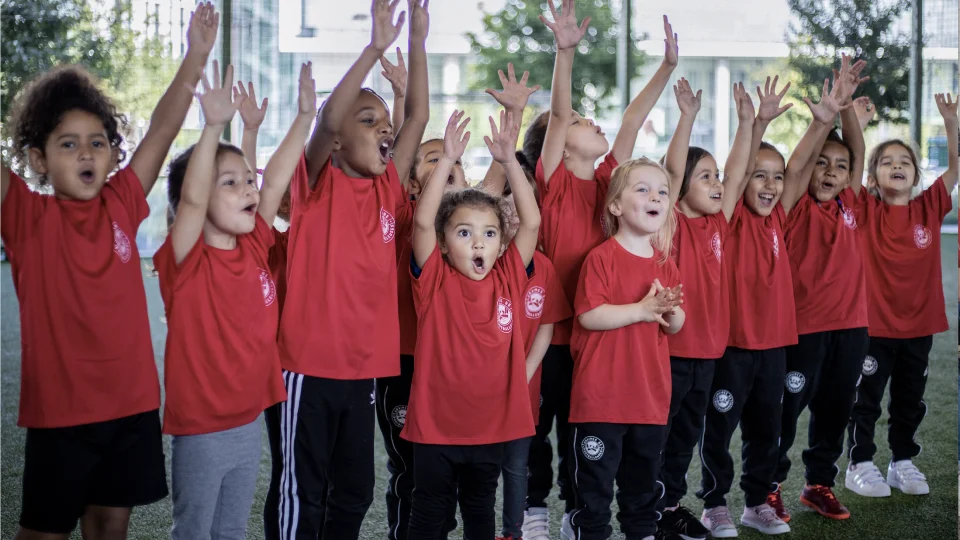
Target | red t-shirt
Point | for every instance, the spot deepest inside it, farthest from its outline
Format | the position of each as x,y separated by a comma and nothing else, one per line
620,376
340,320
901,248
408,314
277,259
571,224
762,311
86,352
544,302
221,368
470,382
829,286
698,253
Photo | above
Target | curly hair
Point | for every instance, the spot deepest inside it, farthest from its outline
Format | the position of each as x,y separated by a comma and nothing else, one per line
41,105
178,169
472,198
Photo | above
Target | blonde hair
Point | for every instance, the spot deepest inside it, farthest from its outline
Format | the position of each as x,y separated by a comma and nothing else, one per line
663,238
873,163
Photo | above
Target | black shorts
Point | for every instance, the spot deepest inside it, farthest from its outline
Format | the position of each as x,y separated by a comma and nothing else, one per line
116,463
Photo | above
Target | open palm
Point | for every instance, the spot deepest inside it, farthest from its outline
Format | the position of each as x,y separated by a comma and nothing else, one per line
217,101
564,26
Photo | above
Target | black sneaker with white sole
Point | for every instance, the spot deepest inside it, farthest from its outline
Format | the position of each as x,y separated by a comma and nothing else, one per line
683,523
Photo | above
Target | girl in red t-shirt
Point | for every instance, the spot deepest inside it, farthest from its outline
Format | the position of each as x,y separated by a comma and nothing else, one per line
89,395
704,207
469,392
215,281
901,251
628,301
564,148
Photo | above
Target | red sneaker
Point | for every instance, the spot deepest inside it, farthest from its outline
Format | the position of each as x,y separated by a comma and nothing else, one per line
776,502
822,499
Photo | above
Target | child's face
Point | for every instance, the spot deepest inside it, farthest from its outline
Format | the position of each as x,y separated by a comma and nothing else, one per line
585,138
77,157
704,196
896,171
428,155
366,138
235,198
471,241
831,173
766,183
643,204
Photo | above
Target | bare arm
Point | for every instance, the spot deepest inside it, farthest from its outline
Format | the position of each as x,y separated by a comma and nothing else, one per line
417,104
338,105
658,302
172,108
502,144
676,158
636,113
397,75
283,162
252,116
424,234
675,320
948,110
541,342
735,169
567,35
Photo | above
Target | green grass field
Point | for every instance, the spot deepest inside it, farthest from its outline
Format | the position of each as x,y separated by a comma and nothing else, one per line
900,517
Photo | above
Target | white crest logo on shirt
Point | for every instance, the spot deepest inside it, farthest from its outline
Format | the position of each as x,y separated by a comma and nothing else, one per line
922,236
388,225
533,302
715,246
121,244
267,286
504,315
592,448
795,381
776,243
399,415
723,401
870,366
849,219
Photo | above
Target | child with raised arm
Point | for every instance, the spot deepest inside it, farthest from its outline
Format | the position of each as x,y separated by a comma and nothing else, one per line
341,283
705,207
628,301
564,148
826,264
221,365
90,395
469,393
901,250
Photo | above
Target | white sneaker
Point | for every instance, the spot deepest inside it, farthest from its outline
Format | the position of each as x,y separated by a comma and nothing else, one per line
719,522
865,480
536,524
764,519
566,530
905,476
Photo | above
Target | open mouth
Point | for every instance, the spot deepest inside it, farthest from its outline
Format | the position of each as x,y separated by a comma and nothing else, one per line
86,176
478,266
599,131
250,209
653,213
898,176
766,199
716,197
385,145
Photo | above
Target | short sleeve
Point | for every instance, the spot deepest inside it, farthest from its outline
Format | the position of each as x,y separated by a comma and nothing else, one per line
261,238
170,274
779,215
278,252
556,307
800,213
129,191
671,274
511,265
552,193
936,200
300,184
399,194
426,281
21,210
603,174
405,213
594,289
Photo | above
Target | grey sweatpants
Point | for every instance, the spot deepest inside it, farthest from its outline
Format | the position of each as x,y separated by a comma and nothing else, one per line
214,479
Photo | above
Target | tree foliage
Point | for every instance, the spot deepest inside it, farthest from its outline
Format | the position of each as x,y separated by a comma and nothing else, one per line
515,34
864,28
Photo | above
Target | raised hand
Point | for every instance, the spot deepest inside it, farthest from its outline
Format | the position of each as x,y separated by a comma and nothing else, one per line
215,101
307,99
770,100
384,32
948,108
454,139
419,18
514,95
502,142
829,107
671,52
865,110
202,29
250,113
848,78
688,102
744,103
564,26
396,74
